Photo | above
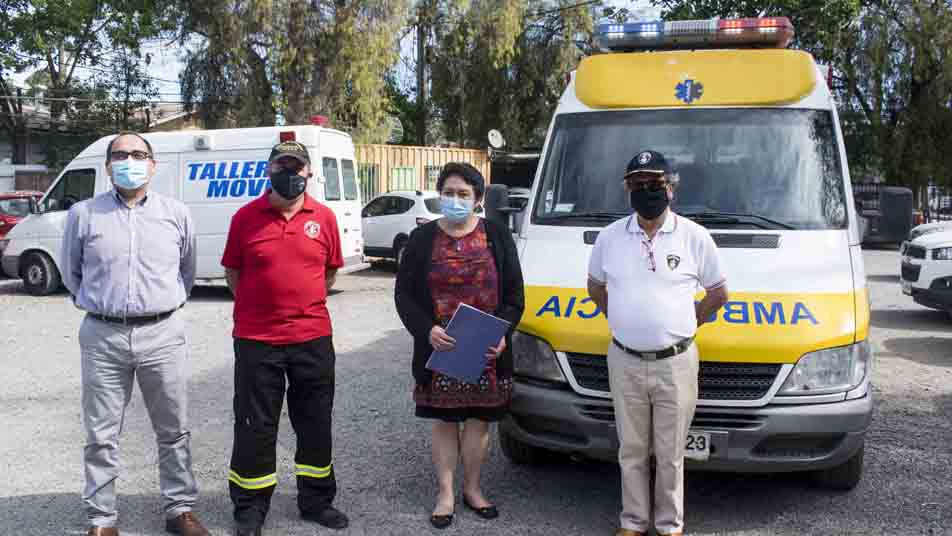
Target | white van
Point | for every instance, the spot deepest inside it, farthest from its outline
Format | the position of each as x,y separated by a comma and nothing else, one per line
214,172
752,131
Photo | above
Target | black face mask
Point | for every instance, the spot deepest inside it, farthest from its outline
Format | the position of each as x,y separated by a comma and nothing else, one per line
649,205
288,184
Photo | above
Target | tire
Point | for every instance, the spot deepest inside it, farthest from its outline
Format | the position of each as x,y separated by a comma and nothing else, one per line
518,452
40,276
842,477
399,245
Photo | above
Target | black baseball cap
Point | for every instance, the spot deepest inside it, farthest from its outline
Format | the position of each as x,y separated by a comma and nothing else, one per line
290,148
648,162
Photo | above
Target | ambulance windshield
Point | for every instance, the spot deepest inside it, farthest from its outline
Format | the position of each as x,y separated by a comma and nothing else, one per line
737,168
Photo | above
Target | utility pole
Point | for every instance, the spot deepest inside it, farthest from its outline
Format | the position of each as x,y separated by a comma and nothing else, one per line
423,32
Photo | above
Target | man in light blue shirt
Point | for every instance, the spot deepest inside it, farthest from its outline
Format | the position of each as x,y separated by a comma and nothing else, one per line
129,262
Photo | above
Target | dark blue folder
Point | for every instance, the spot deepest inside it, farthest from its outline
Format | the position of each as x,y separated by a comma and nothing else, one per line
475,333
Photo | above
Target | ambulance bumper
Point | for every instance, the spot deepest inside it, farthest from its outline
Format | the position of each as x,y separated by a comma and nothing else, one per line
774,438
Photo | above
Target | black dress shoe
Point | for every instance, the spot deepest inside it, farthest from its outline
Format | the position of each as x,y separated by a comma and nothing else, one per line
441,522
329,517
248,531
488,512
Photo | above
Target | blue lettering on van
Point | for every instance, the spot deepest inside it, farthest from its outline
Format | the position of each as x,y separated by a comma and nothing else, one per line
733,312
800,312
230,169
236,187
774,316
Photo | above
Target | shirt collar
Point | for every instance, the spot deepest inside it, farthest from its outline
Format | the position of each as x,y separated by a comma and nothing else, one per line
310,205
669,226
121,201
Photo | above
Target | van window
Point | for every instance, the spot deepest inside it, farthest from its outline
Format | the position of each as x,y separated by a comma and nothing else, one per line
778,167
350,180
74,186
332,180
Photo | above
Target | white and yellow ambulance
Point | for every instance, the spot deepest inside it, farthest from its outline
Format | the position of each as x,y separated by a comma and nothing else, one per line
751,129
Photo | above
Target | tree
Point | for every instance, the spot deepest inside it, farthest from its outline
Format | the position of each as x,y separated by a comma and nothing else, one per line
819,24
63,41
505,68
262,61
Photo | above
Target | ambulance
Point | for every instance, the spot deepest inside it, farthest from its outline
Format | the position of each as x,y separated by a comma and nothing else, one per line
214,172
752,131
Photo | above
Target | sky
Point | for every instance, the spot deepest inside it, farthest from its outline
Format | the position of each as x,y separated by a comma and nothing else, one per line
167,58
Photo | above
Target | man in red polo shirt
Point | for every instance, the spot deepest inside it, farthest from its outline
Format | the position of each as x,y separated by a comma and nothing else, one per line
282,254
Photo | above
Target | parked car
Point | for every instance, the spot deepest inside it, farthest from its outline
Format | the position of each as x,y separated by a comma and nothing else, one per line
14,206
389,219
925,229
926,273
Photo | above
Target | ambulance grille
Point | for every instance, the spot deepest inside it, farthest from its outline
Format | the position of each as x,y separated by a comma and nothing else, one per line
746,241
716,381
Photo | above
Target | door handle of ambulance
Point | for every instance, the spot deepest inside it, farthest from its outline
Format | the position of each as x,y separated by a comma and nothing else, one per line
347,214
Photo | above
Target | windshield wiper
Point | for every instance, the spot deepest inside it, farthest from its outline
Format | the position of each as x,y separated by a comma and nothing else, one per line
588,216
732,218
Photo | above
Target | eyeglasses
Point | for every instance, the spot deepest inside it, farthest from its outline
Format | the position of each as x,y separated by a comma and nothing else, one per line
116,156
651,186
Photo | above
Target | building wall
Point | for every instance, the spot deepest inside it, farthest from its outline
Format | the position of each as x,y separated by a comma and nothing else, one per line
384,168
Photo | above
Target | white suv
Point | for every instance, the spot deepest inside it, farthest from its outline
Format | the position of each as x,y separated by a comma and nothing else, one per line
389,219
926,273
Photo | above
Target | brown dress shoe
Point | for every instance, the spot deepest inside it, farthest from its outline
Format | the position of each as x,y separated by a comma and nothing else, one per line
103,531
186,525
629,532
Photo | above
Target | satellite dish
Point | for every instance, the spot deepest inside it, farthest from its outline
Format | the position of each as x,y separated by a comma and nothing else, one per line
496,141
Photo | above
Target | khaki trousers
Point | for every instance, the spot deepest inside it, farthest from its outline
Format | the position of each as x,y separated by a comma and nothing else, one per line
654,404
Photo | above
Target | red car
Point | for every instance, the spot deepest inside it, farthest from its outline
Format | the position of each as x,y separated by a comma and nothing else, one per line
14,206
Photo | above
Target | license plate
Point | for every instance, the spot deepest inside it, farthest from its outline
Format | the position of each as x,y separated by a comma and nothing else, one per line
906,288
698,446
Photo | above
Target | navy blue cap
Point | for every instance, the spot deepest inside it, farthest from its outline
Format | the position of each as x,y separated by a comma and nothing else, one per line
648,162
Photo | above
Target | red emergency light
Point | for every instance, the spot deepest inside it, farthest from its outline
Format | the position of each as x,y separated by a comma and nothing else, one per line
287,135
320,120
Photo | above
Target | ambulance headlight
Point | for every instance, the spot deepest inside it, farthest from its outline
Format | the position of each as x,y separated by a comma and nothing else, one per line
534,358
829,371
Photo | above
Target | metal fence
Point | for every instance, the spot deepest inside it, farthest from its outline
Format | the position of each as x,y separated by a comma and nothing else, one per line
385,168
938,204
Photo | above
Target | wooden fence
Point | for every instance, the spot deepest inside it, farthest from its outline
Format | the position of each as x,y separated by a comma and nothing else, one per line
385,168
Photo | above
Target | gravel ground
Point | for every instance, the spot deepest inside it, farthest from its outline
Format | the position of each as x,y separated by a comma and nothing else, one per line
381,451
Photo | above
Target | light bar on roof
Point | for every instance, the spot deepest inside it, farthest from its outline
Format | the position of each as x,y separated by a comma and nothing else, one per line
774,32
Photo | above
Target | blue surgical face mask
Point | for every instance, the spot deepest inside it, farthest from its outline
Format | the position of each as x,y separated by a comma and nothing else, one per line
456,209
130,174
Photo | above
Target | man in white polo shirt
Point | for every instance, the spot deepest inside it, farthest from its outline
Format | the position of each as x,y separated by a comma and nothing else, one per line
644,273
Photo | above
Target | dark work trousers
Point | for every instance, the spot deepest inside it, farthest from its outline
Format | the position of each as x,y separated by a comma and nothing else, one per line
260,371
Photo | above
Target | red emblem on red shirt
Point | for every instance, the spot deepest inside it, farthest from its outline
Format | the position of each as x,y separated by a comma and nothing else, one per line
312,229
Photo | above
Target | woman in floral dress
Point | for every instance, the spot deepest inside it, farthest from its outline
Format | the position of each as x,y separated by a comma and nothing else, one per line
460,258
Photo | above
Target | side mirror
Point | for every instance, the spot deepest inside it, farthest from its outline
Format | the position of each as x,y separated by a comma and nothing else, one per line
498,209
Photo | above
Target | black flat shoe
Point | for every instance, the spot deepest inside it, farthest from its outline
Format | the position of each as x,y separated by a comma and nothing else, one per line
441,522
488,512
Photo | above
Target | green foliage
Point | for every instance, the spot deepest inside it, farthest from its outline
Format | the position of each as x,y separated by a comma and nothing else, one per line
505,69
267,60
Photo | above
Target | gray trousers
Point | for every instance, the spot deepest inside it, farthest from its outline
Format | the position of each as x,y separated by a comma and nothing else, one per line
113,357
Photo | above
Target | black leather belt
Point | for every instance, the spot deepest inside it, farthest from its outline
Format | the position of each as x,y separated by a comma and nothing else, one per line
133,320
670,351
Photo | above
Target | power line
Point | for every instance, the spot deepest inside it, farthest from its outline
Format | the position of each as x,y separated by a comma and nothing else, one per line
88,68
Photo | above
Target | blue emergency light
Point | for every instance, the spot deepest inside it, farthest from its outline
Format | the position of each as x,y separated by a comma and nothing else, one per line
774,32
